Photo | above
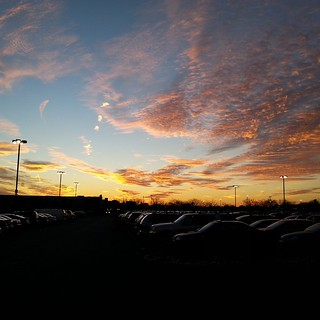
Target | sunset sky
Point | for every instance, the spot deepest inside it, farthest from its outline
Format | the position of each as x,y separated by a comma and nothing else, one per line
166,100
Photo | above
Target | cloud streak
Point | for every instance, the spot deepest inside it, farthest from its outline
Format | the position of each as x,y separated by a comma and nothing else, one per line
9,128
254,90
42,106
33,45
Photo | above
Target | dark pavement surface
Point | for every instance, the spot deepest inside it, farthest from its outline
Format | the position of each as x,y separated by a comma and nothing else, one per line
92,258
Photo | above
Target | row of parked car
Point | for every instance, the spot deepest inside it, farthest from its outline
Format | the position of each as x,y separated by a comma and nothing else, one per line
11,221
208,235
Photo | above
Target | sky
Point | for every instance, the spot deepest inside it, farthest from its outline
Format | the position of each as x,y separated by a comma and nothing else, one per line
161,100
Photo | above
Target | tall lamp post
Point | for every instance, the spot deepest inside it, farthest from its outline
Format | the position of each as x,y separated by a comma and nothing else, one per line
235,194
75,187
60,173
19,142
283,188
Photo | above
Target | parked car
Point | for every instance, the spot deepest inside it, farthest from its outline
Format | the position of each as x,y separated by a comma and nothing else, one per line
136,216
278,228
24,221
262,223
296,216
70,214
143,225
228,239
161,233
302,243
249,218
128,218
31,215
46,218
7,223
315,217
60,214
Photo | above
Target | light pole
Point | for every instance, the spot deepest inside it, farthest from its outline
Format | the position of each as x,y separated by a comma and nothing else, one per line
19,142
60,179
75,187
235,194
283,189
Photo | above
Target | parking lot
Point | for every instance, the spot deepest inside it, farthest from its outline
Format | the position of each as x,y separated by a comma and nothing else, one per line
65,257
91,256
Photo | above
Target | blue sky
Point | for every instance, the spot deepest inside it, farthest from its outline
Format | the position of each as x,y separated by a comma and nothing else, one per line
170,100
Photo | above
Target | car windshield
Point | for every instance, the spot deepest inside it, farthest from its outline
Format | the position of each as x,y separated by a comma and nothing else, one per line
209,226
184,219
195,219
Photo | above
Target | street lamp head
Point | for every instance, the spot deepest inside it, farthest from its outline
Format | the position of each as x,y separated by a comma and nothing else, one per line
283,177
60,172
235,186
19,141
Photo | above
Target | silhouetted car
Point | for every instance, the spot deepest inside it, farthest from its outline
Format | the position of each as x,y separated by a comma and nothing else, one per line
278,228
69,214
130,217
302,243
235,239
262,223
8,223
296,216
249,218
46,218
24,221
143,225
135,219
60,214
315,217
32,216
162,232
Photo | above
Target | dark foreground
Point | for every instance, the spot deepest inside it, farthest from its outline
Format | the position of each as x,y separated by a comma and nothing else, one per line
91,259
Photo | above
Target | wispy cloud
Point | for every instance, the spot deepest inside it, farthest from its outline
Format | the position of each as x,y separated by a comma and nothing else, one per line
9,128
42,106
8,148
254,90
33,45
38,166
79,165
